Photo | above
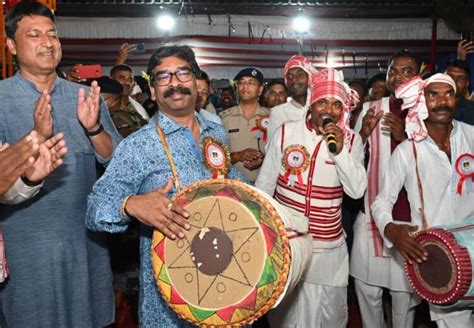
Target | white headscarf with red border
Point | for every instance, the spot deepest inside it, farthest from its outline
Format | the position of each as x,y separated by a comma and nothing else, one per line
413,94
330,83
306,65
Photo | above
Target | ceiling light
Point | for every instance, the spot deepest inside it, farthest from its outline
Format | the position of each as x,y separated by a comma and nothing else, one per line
301,24
165,22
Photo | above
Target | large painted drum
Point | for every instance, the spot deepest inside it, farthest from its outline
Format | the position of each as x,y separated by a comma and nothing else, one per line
446,277
243,253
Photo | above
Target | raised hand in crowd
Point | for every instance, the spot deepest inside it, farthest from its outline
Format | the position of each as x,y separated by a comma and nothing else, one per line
15,159
465,47
42,117
125,50
88,113
394,125
88,107
73,75
156,210
400,236
50,157
369,122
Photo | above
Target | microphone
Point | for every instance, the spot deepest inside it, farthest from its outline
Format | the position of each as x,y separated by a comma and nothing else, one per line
330,138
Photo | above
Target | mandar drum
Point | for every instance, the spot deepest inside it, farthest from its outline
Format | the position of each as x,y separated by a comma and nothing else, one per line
243,253
446,277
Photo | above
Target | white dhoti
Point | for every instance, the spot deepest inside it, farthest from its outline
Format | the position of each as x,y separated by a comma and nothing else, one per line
372,274
370,304
320,300
446,317
312,305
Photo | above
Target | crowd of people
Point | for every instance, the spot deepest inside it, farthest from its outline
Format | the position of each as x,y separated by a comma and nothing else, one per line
88,169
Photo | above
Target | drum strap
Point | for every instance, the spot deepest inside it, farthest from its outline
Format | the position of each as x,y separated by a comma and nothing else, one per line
420,189
177,184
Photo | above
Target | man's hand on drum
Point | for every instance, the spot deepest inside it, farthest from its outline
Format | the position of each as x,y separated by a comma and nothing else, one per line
156,210
400,235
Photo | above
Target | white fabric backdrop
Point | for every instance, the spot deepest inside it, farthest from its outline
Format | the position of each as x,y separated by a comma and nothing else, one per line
325,29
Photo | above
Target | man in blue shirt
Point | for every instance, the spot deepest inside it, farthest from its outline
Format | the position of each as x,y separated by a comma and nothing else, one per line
139,182
59,271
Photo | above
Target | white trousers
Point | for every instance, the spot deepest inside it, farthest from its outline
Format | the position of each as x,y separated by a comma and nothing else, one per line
452,318
311,306
370,304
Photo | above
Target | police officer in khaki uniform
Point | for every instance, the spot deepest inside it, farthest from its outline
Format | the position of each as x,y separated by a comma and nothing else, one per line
246,124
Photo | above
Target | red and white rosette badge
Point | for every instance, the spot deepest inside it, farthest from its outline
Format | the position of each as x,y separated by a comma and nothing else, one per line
261,127
295,161
465,170
216,157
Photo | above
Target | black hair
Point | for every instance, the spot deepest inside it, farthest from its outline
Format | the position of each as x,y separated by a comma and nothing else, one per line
273,82
374,78
109,85
121,68
461,64
406,53
205,77
427,75
181,51
230,89
359,82
143,83
21,10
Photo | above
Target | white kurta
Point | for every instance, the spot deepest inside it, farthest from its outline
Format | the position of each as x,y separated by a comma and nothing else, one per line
439,180
287,112
329,265
384,271
438,177
321,299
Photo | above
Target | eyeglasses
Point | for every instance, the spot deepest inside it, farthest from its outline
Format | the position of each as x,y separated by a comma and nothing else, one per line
164,78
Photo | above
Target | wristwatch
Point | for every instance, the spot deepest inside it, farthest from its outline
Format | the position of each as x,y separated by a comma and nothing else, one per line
95,132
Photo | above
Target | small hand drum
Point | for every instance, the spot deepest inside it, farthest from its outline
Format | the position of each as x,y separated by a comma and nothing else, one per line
446,277
233,264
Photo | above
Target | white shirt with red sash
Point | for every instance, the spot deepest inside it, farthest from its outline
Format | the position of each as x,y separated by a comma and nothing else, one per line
317,193
371,261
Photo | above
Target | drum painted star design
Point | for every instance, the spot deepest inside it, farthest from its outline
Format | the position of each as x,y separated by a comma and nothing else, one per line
233,263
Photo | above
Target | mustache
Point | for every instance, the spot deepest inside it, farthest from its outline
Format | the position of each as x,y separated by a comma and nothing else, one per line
179,89
297,86
442,108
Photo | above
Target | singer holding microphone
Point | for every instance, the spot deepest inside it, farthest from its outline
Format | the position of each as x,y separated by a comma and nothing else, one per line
308,166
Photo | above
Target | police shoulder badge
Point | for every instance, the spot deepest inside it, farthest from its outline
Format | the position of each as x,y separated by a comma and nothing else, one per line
465,170
295,160
261,127
216,157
